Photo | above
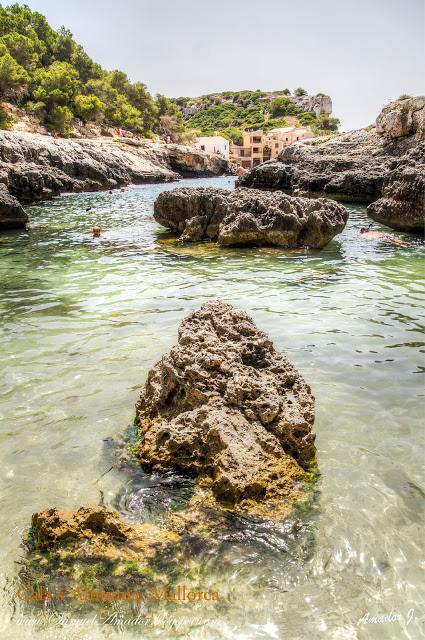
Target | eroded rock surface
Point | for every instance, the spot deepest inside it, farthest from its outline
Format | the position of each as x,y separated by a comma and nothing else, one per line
249,217
12,215
94,532
37,167
351,167
402,205
228,408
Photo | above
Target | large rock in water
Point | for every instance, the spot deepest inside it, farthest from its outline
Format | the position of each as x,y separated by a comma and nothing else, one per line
402,205
228,408
249,217
351,167
12,215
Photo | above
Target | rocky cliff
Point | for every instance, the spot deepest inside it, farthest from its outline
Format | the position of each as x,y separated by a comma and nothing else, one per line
402,204
36,167
353,166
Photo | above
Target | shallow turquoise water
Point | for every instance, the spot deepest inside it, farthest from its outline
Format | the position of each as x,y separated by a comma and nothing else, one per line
83,320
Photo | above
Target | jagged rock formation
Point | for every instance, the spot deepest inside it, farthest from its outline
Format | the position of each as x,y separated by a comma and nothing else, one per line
352,167
402,205
223,406
36,167
249,217
403,118
102,532
319,105
226,407
12,215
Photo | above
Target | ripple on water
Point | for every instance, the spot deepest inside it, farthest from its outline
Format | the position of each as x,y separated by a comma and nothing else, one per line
82,322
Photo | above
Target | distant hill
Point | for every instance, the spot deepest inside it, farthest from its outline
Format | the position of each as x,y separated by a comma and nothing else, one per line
230,112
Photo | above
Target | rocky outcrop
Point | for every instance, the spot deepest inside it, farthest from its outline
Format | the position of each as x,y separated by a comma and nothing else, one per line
223,407
12,215
319,104
402,205
92,554
249,217
36,167
403,118
101,531
194,163
351,167
227,408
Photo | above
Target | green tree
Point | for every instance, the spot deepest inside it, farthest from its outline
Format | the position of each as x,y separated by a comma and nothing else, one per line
300,92
64,46
89,107
21,48
59,119
283,107
13,78
56,85
140,98
327,123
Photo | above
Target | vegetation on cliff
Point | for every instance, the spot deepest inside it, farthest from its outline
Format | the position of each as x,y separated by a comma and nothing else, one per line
47,73
231,112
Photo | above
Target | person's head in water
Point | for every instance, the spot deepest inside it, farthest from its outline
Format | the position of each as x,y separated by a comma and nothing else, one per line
366,229
97,230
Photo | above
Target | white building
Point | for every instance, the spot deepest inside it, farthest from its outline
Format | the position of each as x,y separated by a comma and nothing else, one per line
214,144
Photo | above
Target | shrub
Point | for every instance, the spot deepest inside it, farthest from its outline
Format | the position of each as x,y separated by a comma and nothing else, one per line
59,119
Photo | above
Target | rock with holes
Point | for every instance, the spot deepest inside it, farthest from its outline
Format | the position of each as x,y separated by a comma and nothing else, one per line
224,406
249,217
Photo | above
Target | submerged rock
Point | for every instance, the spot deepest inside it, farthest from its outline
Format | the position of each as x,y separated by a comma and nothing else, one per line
12,215
227,408
350,167
402,205
94,534
249,217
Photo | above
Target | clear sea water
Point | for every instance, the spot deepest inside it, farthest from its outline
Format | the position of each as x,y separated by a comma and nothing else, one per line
83,320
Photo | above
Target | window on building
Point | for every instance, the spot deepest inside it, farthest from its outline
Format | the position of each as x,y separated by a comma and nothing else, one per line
203,147
276,145
298,137
287,139
256,139
255,150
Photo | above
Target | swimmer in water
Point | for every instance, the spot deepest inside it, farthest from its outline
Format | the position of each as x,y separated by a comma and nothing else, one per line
96,231
381,235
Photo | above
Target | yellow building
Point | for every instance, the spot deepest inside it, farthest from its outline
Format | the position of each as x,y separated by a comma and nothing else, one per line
259,146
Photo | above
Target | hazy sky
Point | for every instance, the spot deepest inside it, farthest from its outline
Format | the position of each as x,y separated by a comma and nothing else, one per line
362,52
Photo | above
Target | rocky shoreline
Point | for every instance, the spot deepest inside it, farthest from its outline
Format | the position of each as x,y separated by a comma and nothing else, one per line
359,166
35,167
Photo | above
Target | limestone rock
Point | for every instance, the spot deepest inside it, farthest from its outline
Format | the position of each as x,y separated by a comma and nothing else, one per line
12,215
228,408
37,167
352,167
319,104
402,205
249,217
403,118
94,532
